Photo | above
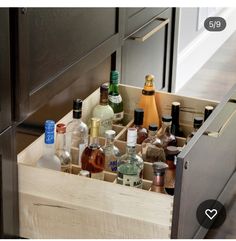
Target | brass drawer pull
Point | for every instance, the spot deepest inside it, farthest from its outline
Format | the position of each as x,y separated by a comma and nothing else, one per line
151,29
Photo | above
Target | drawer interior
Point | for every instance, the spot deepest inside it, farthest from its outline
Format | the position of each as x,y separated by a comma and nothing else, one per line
61,205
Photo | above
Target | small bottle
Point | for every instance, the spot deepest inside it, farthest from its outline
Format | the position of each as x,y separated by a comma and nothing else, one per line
61,148
208,111
152,147
130,165
103,111
167,138
112,153
77,133
49,159
171,157
93,158
158,182
138,122
115,99
148,102
175,127
197,123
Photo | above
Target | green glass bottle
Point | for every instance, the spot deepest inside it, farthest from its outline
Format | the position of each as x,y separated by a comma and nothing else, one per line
115,99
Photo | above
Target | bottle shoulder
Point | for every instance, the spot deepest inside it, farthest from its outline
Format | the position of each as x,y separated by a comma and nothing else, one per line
103,111
79,126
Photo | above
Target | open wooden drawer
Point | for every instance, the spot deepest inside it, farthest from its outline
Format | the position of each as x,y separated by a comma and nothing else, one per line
60,205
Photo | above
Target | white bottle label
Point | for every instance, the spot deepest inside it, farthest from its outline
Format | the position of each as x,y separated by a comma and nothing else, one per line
118,116
132,180
115,99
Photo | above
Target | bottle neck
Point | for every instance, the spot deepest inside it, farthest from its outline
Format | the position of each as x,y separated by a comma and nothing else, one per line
60,141
49,149
166,128
109,142
152,134
175,117
131,151
113,89
104,98
158,180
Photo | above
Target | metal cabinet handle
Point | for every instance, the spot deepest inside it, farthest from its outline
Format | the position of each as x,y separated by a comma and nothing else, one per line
221,129
144,36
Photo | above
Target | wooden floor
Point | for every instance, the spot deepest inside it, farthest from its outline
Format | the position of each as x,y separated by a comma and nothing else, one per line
213,81
217,76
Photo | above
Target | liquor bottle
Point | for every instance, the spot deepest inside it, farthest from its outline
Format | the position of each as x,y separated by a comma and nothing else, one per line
130,165
93,158
175,127
165,135
158,182
148,103
197,122
77,133
171,157
115,99
61,148
208,111
138,122
152,147
103,111
49,159
112,153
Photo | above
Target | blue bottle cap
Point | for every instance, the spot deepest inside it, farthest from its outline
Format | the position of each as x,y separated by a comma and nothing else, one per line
49,131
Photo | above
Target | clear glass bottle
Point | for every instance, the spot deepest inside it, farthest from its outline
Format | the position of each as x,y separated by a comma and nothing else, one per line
112,153
130,165
103,111
208,111
159,169
197,123
138,122
171,157
49,159
152,148
175,127
164,134
148,102
77,133
93,158
115,99
61,148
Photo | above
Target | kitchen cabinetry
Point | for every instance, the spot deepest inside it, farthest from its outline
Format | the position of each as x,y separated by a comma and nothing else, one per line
148,48
56,46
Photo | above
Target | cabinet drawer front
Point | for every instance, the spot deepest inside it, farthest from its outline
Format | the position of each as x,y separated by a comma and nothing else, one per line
205,166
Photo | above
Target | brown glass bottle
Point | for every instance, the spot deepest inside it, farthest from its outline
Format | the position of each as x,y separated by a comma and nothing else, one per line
158,182
138,124
171,155
164,134
93,158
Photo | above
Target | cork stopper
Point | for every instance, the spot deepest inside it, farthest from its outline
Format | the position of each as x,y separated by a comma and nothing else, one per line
149,80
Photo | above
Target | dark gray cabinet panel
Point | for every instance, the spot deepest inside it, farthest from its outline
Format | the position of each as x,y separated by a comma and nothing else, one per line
148,51
206,168
9,223
5,82
56,46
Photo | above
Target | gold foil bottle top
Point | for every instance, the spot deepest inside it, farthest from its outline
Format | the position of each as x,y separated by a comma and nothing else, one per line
149,80
95,125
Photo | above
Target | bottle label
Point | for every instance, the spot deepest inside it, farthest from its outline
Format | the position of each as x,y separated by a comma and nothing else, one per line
148,92
112,165
118,116
115,99
98,175
130,180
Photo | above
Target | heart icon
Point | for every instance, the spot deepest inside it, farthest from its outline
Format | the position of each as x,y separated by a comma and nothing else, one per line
211,213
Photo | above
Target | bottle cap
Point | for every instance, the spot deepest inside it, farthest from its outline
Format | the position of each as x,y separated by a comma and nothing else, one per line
104,88
49,131
61,128
209,107
153,127
166,118
110,134
132,137
198,120
138,116
149,78
77,108
172,150
84,173
175,103
114,76
95,124
159,168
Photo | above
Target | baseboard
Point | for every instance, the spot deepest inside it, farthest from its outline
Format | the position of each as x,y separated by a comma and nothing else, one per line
200,50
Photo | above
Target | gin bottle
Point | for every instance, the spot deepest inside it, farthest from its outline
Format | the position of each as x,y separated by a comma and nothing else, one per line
77,133
130,165
49,159
112,153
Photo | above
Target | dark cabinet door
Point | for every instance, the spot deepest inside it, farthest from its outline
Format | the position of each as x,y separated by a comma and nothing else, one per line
56,46
8,186
5,85
148,51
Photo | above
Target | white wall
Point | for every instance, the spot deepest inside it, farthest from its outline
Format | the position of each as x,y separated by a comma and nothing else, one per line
195,44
